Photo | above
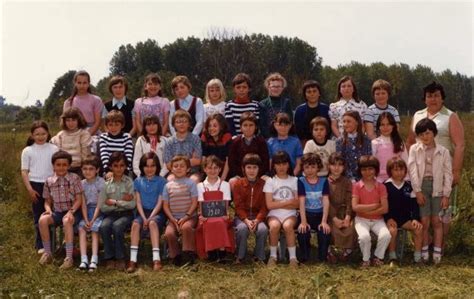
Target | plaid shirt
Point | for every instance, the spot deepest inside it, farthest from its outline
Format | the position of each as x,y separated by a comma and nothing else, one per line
62,190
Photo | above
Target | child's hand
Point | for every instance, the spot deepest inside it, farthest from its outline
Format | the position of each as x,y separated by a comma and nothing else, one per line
420,199
202,219
325,227
127,197
87,225
346,222
417,225
111,202
444,202
250,224
338,222
47,212
392,223
303,227
33,195
146,222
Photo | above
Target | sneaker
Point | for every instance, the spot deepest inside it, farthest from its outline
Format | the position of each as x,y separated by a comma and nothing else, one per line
92,267
68,263
41,251
272,262
131,267
45,259
377,262
83,266
157,266
365,264
293,263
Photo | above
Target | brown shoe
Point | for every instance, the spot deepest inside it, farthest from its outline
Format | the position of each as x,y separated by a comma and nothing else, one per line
45,259
131,267
67,264
157,266
120,265
272,262
110,265
293,263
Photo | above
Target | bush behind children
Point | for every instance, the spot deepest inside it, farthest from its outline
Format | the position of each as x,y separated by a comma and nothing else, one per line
342,188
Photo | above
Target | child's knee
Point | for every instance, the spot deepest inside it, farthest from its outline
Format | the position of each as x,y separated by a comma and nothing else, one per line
364,238
393,231
384,235
135,226
68,220
152,224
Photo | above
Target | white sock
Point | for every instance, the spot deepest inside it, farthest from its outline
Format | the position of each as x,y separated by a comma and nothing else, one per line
84,259
392,255
273,251
133,253
156,254
95,259
436,252
292,252
425,253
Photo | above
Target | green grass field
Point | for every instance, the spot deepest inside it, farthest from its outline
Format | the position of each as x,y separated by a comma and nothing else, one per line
22,276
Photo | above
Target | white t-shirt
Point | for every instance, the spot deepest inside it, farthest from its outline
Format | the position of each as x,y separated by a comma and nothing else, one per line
213,109
324,151
36,159
225,188
282,190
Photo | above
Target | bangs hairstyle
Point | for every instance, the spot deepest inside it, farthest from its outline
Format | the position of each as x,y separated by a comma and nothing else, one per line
433,87
360,135
249,116
117,157
398,145
114,116
180,113
281,157
35,125
381,84
155,78
251,159
180,79
91,160
312,159
274,77
178,158
282,118
61,155
215,83
337,158
310,84
367,161
211,159
222,127
241,78
74,90
148,120
319,121
424,125
396,162
74,113
118,80
145,158
355,96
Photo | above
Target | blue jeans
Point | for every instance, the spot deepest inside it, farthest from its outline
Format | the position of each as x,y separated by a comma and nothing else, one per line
115,224
314,220
242,234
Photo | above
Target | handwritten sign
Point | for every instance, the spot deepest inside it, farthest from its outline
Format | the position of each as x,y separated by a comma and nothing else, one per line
213,208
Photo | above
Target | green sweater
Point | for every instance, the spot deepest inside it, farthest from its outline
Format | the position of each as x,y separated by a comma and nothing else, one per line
116,190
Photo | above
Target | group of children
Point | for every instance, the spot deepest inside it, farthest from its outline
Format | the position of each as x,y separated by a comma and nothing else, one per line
341,171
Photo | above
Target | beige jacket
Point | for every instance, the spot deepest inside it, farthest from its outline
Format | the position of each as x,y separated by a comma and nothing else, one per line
442,169
77,144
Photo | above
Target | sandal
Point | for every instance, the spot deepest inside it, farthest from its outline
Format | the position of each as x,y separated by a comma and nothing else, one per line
365,264
83,266
92,267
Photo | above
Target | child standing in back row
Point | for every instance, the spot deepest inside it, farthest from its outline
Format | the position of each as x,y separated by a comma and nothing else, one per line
215,97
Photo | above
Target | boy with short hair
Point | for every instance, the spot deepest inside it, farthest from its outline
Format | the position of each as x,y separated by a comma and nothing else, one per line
242,103
118,87
381,91
430,169
114,140
62,194
250,208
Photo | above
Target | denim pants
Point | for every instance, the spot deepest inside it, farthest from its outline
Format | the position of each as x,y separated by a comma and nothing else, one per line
241,235
115,224
38,209
314,220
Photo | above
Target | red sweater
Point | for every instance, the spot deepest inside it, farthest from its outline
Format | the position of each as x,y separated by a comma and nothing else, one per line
239,149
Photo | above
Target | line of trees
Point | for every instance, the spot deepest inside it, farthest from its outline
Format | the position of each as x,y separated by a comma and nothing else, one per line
224,54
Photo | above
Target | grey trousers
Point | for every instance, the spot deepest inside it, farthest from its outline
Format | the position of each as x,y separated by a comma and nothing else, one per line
241,235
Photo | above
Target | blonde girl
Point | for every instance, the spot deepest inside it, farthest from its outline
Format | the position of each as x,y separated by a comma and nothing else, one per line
215,97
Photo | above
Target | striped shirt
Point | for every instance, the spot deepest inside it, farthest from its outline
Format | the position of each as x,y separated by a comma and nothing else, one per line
36,159
179,193
373,112
119,143
234,110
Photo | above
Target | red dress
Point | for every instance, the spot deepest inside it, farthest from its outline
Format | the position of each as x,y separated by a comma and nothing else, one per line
214,232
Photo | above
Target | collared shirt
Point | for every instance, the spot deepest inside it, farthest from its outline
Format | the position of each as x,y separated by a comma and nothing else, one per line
367,196
187,147
119,103
62,190
116,190
290,145
150,190
92,190
337,110
185,104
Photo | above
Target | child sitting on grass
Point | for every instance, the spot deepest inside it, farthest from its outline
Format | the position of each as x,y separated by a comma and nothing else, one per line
62,195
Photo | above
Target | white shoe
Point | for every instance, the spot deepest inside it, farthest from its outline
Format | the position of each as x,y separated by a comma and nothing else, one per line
41,251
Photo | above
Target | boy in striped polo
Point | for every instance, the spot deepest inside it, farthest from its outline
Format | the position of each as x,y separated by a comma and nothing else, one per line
241,103
180,205
114,140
